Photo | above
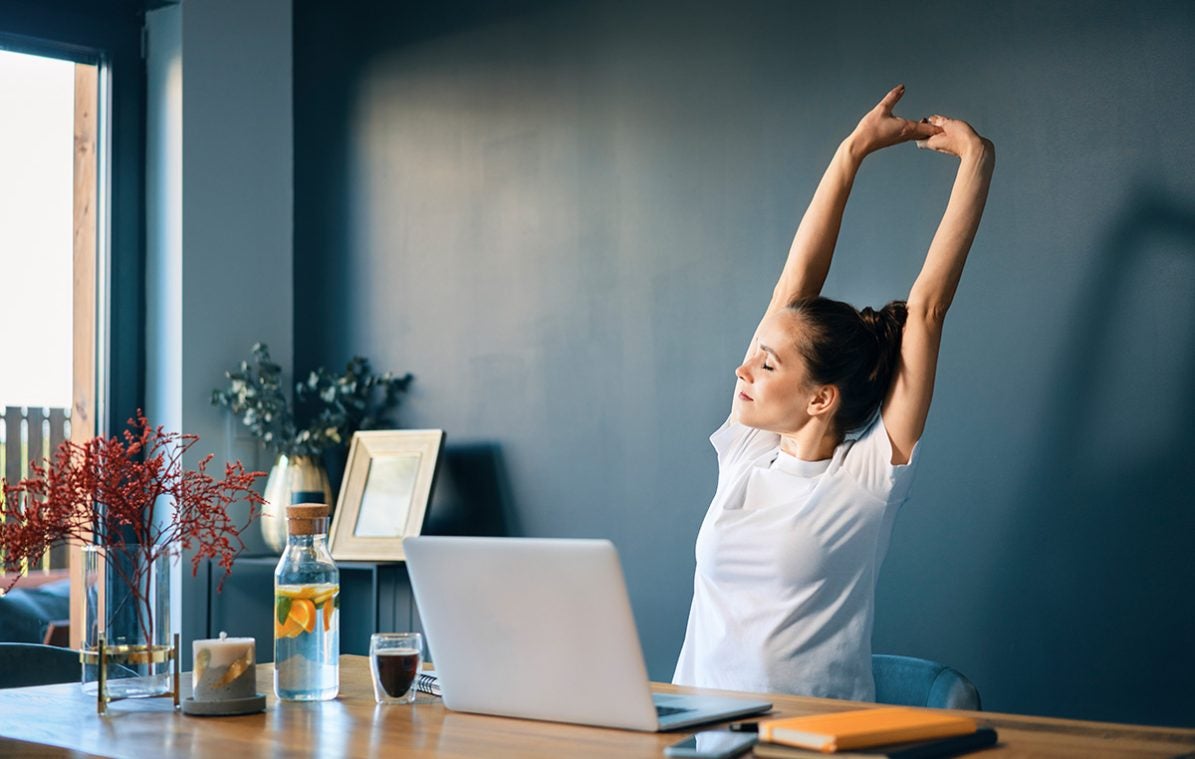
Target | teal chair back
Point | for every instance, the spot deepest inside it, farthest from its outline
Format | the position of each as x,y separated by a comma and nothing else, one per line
908,681
23,664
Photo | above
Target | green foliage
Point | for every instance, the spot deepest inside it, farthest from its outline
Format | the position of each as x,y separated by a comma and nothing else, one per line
282,609
328,407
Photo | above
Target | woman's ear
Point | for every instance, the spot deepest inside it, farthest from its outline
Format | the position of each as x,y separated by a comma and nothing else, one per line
824,401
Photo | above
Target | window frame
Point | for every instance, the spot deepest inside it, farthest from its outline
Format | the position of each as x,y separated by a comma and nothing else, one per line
108,34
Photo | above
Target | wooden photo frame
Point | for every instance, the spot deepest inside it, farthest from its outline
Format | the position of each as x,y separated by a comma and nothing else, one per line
387,484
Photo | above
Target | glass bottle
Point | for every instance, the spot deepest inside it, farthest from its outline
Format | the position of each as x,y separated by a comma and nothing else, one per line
306,609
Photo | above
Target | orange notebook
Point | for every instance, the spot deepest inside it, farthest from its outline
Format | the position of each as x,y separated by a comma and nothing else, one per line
861,728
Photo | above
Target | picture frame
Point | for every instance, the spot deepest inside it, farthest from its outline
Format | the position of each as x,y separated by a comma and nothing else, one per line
388,482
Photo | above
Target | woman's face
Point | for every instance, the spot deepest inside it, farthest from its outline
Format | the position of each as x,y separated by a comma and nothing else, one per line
774,391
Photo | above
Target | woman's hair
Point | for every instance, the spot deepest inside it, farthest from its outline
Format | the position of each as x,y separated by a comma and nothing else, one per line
856,351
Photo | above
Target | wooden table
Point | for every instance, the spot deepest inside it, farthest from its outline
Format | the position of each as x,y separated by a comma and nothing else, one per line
58,720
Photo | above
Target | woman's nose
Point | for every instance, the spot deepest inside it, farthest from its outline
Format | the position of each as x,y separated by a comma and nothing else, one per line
743,373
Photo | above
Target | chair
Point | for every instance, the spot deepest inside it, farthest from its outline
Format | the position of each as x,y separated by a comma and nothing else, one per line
908,681
30,610
24,664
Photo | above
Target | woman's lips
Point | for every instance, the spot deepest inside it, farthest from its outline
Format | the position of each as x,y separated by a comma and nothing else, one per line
744,397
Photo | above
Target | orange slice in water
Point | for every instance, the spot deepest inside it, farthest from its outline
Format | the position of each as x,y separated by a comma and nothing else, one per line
323,596
302,612
328,615
303,591
290,629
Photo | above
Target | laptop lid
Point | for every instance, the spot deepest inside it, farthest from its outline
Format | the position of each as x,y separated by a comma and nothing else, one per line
538,629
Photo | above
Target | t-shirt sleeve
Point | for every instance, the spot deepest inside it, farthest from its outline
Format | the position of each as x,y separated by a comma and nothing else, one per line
869,461
737,443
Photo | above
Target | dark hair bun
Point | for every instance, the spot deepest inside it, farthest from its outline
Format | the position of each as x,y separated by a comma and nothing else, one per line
887,326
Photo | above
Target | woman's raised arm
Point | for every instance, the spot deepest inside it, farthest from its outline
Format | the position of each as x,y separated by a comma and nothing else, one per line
907,405
812,248
813,245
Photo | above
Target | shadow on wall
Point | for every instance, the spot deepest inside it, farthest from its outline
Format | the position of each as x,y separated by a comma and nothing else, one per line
472,495
1099,542
327,204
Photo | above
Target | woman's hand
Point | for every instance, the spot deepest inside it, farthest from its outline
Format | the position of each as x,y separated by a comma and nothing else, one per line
880,128
956,138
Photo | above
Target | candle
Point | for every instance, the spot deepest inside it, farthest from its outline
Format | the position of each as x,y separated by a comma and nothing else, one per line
225,669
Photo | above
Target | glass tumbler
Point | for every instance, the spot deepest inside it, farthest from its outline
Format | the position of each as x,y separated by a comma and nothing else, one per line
395,660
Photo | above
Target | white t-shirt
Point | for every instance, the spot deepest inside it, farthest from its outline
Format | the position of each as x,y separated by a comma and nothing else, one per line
787,561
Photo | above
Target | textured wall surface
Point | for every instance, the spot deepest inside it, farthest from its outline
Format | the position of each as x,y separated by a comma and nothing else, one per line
566,218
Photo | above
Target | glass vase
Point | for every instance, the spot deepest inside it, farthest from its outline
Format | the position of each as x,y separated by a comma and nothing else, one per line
293,479
127,606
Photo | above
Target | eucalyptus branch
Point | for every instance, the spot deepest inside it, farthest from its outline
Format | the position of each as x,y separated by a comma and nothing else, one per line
327,409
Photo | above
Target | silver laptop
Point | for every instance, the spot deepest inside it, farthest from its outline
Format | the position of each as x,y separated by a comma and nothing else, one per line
542,629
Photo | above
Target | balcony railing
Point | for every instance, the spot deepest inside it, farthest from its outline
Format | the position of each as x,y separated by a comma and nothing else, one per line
33,433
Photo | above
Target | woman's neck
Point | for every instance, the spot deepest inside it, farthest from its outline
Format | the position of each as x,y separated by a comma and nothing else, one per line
813,442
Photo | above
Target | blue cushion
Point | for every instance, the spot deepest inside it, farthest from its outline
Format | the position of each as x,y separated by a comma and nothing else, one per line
909,681
26,613
23,664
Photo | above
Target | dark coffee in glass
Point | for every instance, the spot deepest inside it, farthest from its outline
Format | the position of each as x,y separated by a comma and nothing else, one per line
397,668
395,660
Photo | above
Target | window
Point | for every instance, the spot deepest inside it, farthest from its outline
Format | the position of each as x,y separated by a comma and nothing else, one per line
47,246
101,40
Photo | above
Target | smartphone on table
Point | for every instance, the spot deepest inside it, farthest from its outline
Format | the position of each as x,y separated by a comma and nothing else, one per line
712,744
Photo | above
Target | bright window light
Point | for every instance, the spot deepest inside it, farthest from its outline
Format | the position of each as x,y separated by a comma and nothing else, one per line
36,229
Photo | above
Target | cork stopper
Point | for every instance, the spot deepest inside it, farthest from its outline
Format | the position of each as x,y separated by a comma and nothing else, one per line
307,518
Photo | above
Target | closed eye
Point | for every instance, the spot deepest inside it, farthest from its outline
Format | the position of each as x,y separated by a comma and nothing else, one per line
768,353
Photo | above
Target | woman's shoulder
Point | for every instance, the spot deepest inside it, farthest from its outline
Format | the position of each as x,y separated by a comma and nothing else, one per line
867,457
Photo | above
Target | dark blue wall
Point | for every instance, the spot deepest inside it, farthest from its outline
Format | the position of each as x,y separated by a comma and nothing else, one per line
566,218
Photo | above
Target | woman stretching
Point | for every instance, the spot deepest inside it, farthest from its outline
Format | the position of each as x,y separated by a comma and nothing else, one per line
810,476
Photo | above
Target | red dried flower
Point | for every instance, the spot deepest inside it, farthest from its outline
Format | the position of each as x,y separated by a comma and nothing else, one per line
127,492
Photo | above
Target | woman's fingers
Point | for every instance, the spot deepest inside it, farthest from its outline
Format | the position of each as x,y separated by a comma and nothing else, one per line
893,97
931,144
939,125
954,136
920,130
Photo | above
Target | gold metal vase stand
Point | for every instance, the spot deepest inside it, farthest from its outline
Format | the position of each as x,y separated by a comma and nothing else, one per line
103,654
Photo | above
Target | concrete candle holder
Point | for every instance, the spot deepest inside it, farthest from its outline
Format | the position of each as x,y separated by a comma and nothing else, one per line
224,681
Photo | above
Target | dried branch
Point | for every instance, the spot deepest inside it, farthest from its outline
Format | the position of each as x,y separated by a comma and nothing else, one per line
108,490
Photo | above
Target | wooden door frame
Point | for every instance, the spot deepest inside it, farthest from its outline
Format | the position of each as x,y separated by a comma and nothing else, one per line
84,278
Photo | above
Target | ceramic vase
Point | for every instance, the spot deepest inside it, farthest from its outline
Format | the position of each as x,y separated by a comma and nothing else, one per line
293,479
